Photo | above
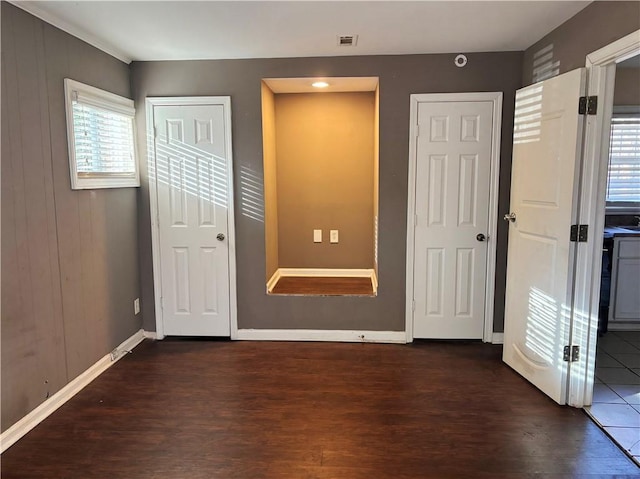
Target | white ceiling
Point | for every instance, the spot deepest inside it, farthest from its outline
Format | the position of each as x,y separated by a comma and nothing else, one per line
181,30
335,84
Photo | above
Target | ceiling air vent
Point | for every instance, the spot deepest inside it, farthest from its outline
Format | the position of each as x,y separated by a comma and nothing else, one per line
347,40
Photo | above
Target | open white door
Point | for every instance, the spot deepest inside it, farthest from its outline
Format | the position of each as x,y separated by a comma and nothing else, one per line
540,263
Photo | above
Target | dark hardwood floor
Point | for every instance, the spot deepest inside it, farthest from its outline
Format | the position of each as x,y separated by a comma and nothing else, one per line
323,286
185,409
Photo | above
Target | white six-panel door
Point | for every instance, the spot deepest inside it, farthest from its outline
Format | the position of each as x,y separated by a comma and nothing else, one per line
191,176
546,154
452,184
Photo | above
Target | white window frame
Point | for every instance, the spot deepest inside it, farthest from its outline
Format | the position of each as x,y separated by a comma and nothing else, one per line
622,207
107,101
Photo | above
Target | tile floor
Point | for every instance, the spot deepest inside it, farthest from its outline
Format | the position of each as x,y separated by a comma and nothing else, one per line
616,394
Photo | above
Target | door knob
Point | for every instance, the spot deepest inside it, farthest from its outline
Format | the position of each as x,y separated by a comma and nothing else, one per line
481,237
220,237
510,217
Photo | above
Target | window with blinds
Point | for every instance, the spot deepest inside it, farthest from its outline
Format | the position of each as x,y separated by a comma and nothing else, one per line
623,184
101,138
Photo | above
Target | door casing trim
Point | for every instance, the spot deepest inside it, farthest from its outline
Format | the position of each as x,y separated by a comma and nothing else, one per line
416,99
225,101
601,66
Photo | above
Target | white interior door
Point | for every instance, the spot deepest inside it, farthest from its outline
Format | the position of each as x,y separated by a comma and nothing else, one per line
192,171
545,175
453,165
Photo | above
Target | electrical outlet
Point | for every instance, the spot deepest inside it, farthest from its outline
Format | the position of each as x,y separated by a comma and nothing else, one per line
317,236
136,306
333,236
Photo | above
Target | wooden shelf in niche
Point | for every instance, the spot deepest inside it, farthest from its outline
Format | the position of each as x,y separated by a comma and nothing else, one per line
323,286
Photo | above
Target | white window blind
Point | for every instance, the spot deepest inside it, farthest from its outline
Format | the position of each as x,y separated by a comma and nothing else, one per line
623,183
101,138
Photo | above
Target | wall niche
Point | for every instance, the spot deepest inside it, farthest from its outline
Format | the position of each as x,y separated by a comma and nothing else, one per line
320,153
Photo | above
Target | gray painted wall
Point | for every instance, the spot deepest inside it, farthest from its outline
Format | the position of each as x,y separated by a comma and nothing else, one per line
627,88
597,25
400,76
69,258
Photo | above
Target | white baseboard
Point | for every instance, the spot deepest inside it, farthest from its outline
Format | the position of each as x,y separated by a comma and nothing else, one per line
497,338
273,280
631,326
326,272
150,335
398,337
44,410
323,273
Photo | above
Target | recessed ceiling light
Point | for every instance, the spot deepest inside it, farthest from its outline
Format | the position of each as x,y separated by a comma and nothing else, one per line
320,84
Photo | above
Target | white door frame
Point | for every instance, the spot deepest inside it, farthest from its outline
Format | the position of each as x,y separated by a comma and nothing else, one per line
225,101
601,66
496,98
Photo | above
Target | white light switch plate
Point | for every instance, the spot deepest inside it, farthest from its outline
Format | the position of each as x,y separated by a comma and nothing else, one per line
317,236
136,306
333,236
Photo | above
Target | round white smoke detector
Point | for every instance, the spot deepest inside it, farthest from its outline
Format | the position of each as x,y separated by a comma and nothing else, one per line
460,60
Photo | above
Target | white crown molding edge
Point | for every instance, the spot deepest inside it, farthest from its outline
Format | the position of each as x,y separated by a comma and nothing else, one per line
72,30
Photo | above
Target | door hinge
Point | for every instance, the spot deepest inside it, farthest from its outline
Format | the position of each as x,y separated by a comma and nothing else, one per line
417,130
413,305
579,233
415,220
571,354
588,105
155,132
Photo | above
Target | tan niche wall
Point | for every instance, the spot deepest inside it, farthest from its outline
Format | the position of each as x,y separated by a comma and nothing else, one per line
376,178
324,143
270,184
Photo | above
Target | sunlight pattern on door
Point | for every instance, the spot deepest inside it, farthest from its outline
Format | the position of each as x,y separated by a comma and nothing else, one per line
168,152
544,172
528,112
